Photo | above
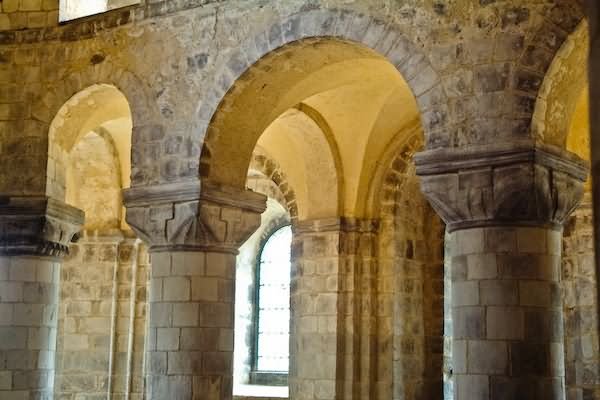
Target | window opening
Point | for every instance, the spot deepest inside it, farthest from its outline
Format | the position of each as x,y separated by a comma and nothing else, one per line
273,308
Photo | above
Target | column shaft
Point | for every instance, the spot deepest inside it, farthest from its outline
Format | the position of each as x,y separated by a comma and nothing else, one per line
507,315
189,351
333,315
194,232
29,288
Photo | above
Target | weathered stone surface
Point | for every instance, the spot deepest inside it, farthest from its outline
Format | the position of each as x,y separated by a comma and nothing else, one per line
517,184
37,226
190,216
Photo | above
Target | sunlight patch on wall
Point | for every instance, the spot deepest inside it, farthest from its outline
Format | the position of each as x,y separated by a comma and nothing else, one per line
73,9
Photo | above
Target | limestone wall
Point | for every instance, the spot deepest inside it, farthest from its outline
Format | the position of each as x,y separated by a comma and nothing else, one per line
580,303
175,60
28,318
102,320
19,14
412,298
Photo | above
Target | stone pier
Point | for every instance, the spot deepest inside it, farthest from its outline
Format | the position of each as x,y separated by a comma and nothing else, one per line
194,234
35,233
504,209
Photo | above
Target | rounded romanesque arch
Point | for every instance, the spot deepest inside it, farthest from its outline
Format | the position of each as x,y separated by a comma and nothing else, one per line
562,90
96,106
100,83
270,169
356,36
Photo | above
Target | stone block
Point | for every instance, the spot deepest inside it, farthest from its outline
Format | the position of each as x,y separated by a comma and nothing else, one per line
188,264
176,289
499,292
519,266
505,323
46,359
40,293
156,363
4,268
472,387
199,338
185,314
481,266
529,358
28,314
220,265
184,363
487,357
13,338
469,322
6,314
500,240
46,272
75,342
208,388
95,325
459,356
10,6
38,338
470,241
205,289
226,339
465,293
535,293
156,288
23,269
30,5
217,363
167,339
216,315
5,380
459,268
543,325
326,304
532,240
160,314
161,265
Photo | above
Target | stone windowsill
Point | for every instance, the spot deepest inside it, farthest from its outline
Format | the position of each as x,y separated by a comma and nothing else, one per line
248,392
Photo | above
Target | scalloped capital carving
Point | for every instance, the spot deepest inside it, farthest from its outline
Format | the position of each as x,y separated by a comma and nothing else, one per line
190,216
518,184
37,225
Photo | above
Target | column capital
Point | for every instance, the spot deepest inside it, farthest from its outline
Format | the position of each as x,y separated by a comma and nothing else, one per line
37,225
193,216
518,184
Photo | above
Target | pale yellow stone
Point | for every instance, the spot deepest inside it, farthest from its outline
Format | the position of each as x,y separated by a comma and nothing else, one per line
9,6
30,5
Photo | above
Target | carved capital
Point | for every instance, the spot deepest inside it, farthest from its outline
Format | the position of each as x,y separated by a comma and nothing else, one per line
190,216
520,184
37,225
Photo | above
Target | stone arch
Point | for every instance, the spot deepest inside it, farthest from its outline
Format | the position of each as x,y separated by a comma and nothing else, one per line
269,168
562,90
86,111
372,36
137,94
384,184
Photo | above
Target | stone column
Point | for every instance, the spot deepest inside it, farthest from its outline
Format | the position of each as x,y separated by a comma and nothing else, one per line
34,233
194,233
333,327
504,209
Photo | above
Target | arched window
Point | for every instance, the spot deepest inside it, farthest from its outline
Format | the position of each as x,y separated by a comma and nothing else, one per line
273,305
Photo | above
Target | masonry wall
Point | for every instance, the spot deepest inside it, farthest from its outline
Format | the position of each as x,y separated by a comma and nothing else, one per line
410,291
102,320
580,304
489,74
